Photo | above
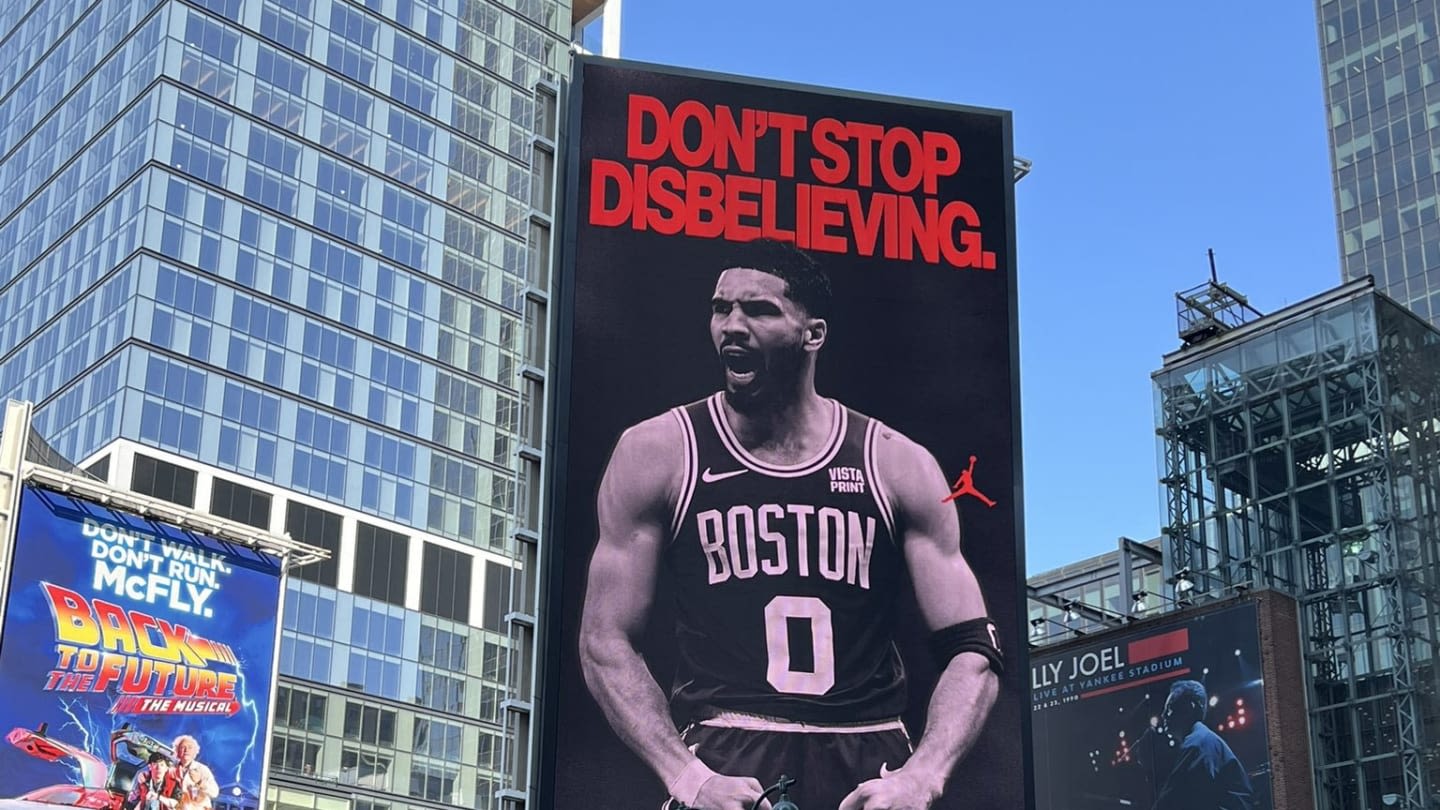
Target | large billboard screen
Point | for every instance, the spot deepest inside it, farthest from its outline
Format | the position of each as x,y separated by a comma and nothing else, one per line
122,636
1173,716
785,494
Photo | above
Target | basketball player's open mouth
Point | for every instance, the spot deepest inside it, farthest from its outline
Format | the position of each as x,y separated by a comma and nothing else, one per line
739,364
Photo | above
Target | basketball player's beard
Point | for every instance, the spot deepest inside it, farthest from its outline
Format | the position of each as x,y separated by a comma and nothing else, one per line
775,382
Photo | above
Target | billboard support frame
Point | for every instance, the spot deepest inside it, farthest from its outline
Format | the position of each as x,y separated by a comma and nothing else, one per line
293,552
12,458
274,686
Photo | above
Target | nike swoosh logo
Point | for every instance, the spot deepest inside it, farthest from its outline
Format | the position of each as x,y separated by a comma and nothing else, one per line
710,478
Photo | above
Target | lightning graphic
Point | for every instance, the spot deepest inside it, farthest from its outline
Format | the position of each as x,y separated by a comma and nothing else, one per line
92,735
89,732
244,699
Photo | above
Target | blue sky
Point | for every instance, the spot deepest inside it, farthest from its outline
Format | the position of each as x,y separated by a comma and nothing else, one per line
1158,130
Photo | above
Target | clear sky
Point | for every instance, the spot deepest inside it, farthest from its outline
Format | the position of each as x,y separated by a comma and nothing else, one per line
1158,130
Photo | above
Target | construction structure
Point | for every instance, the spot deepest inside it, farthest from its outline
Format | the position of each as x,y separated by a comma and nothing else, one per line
1299,453
1096,594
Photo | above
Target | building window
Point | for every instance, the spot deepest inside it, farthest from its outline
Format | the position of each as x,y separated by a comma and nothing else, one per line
317,527
374,675
436,739
490,698
369,724
494,663
489,749
497,596
442,692
445,583
365,769
443,649
433,783
240,503
163,480
304,659
298,709
378,631
381,561
293,756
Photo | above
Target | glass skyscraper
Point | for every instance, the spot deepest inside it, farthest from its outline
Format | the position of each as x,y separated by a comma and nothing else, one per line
1382,90
285,261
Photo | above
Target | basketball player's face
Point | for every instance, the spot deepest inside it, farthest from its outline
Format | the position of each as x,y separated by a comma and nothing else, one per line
760,334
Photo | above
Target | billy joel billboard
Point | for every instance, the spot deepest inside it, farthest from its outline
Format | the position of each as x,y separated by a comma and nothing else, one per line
126,639
785,493
1172,717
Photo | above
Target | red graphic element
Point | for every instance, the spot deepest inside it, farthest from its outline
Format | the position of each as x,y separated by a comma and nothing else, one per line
965,485
1148,649
1132,684
134,704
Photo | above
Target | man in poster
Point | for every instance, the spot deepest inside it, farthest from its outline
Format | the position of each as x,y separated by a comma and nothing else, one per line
156,786
197,782
786,523
1206,774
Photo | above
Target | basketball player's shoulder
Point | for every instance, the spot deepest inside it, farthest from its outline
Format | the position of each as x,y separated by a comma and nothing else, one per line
656,442
893,445
658,437
898,457
648,465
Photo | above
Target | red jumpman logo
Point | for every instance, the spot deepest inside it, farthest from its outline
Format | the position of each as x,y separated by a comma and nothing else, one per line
965,485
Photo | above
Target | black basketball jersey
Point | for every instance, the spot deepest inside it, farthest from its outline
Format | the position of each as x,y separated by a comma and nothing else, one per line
785,578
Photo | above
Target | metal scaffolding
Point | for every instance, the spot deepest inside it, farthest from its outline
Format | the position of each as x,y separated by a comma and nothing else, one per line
1300,454
518,741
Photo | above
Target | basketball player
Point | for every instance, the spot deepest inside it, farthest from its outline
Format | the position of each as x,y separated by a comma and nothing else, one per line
786,523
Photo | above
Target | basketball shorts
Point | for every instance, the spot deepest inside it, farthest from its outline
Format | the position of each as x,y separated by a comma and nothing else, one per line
826,761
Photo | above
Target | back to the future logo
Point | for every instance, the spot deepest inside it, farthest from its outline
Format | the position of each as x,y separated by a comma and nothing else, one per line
156,666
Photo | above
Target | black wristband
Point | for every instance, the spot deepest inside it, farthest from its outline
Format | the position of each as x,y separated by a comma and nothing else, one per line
976,635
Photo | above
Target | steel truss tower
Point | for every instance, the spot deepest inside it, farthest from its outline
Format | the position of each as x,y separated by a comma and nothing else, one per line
1300,453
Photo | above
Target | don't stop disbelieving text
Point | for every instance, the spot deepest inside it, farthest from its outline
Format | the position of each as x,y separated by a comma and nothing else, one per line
691,169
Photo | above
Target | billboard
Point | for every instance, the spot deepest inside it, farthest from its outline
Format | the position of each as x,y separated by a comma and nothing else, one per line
786,376
122,634
1173,716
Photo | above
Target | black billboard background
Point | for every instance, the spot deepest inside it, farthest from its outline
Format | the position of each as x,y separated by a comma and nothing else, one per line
928,349
1085,726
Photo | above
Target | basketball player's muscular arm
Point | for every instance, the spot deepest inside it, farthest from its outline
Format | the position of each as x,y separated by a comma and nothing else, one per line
947,593
635,506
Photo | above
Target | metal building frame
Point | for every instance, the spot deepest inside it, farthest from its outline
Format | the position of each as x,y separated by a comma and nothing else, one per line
1300,453
517,747
1070,601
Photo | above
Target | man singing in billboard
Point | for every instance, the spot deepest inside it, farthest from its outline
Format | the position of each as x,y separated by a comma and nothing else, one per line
1206,774
786,524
